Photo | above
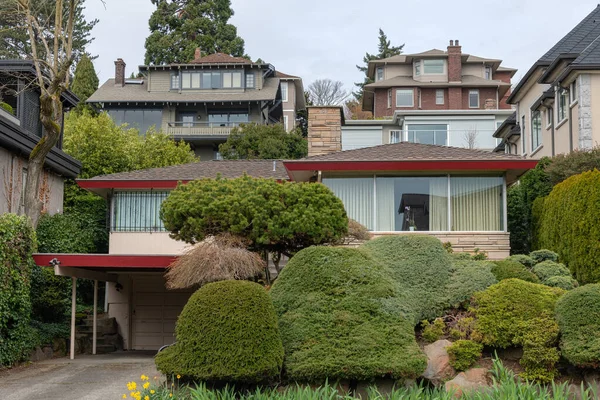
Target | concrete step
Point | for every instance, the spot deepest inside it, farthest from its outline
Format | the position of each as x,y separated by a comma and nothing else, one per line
105,348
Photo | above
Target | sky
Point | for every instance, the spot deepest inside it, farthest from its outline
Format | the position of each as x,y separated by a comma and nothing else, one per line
317,39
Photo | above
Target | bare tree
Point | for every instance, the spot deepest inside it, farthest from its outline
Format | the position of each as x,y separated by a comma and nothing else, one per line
325,92
52,56
470,137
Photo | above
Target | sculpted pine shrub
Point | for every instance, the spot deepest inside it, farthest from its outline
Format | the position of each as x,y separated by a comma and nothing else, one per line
549,269
468,277
563,282
508,269
527,261
539,256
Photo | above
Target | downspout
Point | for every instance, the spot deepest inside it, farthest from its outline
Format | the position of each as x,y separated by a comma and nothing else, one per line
570,128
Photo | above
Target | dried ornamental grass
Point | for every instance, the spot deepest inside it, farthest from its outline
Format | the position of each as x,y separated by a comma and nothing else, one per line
217,258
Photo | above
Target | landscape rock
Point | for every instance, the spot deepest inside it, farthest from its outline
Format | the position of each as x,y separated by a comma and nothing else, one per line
472,379
438,362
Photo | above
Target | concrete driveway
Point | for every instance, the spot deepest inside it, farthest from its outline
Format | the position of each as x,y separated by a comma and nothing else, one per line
85,378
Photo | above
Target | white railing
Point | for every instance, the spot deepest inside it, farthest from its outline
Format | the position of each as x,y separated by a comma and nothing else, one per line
199,128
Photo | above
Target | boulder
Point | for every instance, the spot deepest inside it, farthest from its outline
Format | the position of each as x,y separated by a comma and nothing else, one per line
438,362
472,379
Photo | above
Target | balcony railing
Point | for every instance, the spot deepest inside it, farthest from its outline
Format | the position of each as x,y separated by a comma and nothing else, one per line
179,128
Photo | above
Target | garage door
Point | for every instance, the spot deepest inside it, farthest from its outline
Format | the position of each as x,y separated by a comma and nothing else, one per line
155,311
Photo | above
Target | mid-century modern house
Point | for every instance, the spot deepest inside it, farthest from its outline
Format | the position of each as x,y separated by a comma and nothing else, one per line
441,97
455,194
201,101
556,110
20,131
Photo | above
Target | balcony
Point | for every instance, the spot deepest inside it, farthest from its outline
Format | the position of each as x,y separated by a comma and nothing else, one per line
178,128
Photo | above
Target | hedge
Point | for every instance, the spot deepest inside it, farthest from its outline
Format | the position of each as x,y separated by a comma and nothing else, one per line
508,269
227,332
549,269
17,243
522,259
578,315
421,268
570,224
50,295
539,256
468,277
340,318
518,313
563,282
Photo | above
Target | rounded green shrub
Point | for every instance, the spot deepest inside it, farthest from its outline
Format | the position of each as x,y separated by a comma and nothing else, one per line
227,332
421,268
468,277
460,256
514,312
563,282
578,315
464,354
539,256
433,331
522,259
508,269
548,269
340,318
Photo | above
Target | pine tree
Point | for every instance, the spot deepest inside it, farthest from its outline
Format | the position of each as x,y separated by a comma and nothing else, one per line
85,82
178,27
385,50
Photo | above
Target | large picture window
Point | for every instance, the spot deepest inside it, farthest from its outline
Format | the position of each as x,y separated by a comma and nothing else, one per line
211,80
357,194
433,66
404,98
137,211
477,203
142,119
428,134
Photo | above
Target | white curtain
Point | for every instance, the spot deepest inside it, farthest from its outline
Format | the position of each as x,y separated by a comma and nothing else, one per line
477,203
387,209
137,211
357,196
438,204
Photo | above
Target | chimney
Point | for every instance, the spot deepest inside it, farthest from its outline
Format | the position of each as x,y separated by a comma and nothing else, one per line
120,72
454,62
324,129
198,54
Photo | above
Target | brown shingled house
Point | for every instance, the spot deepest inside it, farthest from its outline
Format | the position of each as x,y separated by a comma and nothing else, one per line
201,101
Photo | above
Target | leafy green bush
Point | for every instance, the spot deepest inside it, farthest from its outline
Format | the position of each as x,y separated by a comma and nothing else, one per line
563,282
460,256
50,295
270,142
514,312
421,268
522,259
17,243
464,354
564,166
548,269
570,225
227,332
539,256
468,277
340,318
433,331
578,315
508,269
64,233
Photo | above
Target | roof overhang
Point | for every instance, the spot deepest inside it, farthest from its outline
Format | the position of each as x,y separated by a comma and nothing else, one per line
553,70
533,73
103,187
105,262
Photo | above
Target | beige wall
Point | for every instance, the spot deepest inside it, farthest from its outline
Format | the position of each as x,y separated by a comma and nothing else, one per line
595,92
524,109
144,243
473,69
118,302
289,107
391,71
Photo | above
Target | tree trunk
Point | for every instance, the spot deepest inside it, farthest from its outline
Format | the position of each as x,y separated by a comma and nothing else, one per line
51,116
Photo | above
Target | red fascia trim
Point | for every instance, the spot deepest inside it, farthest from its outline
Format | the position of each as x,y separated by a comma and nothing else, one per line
127,184
105,260
494,165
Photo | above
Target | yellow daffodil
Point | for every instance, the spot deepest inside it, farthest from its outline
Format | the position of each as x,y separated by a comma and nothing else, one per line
131,385
170,394
147,398
152,391
146,384
124,396
144,377
178,376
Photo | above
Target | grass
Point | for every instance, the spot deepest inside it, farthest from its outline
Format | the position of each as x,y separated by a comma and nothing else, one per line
505,386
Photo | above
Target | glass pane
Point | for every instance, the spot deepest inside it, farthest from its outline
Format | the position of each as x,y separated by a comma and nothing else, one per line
216,80
428,134
250,80
477,203
357,196
151,118
404,98
137,211
433,66
418,204
196,80
226,79
473,99
237,79
218,119
238,118
206,80
284,87
186,80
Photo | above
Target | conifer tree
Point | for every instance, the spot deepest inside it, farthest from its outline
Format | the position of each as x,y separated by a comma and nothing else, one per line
85,82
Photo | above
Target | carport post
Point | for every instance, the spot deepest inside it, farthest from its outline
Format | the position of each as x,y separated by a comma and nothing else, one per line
73,312
95,329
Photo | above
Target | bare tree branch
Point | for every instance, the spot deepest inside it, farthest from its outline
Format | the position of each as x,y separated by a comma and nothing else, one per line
470,137
325,92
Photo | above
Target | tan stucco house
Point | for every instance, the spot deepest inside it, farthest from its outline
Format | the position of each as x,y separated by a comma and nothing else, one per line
558,100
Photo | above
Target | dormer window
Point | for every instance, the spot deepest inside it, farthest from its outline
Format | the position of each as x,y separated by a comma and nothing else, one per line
250,80
433,66
417,68
488,73
379,73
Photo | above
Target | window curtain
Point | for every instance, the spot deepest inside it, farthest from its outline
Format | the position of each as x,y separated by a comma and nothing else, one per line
357,195
438,204
138,211
387,209
476,203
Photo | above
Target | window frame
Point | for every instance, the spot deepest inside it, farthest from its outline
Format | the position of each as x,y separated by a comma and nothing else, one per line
418,68
561,109
389,98
412,97
398,133
252,77
549,117
284,85
487,72
474,91
177,75
443,65
379,72
523,136
573,93
437,97
536,132
285,123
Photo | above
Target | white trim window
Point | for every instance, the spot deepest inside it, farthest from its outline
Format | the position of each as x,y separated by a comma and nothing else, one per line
284,91
439,97
285,123
389,98
250,80
405,98
536,130
175,80
523,136
417,68
433,67
488,73
573,92
379,73
548,113
474,98
395,136
562,104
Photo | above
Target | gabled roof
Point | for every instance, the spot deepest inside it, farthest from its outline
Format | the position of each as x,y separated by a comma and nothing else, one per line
220,58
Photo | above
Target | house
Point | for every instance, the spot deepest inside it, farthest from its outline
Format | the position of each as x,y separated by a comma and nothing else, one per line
455,194
201,101
555,112
20,131
447,98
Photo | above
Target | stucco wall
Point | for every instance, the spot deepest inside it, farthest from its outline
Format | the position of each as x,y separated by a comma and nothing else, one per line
524,109
144,243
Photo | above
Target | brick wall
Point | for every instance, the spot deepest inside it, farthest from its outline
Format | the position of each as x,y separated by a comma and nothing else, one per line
324,130
381,102
455,98
484,94
503,76
454,62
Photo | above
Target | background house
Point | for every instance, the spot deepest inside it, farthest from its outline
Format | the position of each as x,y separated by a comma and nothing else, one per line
435,97
20,131
554,101
201,101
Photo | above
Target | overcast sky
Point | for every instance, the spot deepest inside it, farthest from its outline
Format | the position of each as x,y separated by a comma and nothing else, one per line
327,38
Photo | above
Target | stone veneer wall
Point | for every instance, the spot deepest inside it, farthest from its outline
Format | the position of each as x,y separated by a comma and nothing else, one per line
324,130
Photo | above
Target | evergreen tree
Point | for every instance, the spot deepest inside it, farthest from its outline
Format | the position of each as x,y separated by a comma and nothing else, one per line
385,50
178,27
85,82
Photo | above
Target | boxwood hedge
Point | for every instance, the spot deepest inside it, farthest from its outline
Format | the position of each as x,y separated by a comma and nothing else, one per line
340,318
227,332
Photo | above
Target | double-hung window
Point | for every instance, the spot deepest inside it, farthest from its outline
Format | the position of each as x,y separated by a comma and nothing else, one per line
379,73
563,103
417,68
284,91
433,67
250,81
175,80
439,96
474,98
389,98
488,72
536,130
405,98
